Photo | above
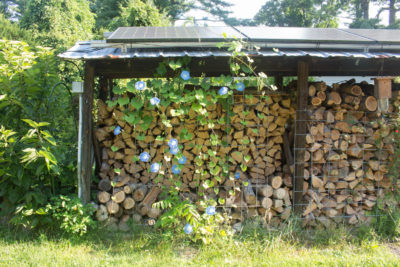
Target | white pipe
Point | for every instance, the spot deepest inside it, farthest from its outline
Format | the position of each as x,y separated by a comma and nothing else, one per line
80,134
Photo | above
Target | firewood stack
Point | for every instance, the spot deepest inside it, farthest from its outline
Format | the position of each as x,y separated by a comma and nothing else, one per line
250,143
347,154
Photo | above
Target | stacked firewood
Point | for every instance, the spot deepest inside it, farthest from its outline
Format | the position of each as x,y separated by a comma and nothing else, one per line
347,153
249,139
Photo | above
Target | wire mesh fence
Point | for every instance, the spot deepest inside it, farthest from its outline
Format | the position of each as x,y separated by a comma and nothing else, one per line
233,158
346,158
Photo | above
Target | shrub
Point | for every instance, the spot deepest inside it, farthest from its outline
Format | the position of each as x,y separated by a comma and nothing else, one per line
62,212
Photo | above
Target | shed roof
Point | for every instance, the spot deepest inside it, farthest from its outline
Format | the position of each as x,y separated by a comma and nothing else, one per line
348,51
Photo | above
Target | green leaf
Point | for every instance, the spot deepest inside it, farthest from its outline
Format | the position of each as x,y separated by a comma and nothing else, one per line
131,118
243,167
112,104
160,138
196,107
175,65
123,100
114,148
161,69
140,137
216,170
118,90
136,103
31,123
247,158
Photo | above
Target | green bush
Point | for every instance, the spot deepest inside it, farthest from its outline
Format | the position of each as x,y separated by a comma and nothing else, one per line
62,212
33,153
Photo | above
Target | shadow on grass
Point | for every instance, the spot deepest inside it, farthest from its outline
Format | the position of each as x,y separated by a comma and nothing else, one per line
146,238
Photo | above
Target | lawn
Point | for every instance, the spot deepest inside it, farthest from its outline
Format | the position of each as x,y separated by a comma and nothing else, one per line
145,247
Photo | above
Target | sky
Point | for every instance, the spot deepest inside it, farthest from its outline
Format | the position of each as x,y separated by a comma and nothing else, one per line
247,9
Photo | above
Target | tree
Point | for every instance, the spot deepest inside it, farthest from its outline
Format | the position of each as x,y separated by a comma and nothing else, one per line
138,13
11,31
174,9
393,6
58,23
115,13
360,11
217,8
300,13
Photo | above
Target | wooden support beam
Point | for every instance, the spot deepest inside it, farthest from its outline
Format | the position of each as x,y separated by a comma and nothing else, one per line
86,148
278,81
103,88
301,117
383,92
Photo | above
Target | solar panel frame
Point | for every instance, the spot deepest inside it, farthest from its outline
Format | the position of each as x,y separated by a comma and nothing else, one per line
297,34
388,36
289,35
173,34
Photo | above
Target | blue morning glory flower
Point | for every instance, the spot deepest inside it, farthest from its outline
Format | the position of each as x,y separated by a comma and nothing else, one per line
173,142
237,175
240,86
174,150
223,90
140,85
210,210
117,130
144,156
175,169
188,229
182,160
155,101
155,167
185,75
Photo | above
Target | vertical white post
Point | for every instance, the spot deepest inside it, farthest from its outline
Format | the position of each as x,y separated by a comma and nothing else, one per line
77,87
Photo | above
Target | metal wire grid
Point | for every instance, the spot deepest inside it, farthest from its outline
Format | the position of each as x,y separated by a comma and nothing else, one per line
366,193
243,209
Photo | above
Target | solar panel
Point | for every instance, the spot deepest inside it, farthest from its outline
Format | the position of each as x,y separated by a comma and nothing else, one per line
172,34
382,36
292,34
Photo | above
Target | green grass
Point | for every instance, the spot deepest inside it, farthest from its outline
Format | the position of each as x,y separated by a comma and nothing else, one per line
253,247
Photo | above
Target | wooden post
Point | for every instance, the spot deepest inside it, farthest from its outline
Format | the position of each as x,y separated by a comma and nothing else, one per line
301,117
86,149
383,92
279,81
103,88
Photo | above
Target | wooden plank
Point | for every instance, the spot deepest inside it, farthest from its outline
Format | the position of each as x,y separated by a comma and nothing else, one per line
302,95
103,88
131,68
86,149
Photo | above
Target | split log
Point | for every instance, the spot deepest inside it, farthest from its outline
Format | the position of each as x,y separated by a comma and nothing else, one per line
148,201
249,195
140,193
